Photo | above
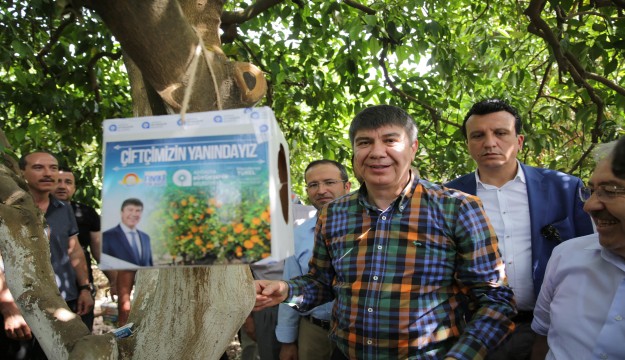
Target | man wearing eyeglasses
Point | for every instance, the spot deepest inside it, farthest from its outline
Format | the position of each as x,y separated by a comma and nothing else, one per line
531,209
304,336
402,258
580,312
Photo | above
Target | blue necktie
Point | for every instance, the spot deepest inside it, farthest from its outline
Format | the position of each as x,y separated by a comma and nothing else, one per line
134,243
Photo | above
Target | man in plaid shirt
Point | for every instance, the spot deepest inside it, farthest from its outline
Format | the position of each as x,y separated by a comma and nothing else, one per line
403,258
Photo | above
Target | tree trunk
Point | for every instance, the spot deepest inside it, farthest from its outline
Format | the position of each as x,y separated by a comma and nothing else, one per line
161,37
177,312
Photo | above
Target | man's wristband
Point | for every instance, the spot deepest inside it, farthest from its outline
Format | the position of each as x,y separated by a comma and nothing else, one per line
89,287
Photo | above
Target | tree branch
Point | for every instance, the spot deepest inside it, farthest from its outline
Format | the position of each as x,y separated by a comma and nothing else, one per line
563,102
367,10
619,3
579,162
54,38
241,16
606,82
582,13
565,59
483,11
542,85
433,112
93,79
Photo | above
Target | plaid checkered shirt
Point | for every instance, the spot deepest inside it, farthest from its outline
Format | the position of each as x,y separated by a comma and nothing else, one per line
403,278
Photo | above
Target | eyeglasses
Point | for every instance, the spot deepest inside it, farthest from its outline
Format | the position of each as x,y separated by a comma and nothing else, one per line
327,183
603,192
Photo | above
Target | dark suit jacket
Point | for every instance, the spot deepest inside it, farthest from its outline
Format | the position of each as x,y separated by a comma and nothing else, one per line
554,200
115,243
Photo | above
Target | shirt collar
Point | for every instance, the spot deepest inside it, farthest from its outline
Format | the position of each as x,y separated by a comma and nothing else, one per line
612,258
56,202
404,196
520,176
126,229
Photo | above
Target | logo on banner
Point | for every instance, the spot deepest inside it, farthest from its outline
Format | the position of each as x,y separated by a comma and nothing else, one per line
183,178
130,179
155,178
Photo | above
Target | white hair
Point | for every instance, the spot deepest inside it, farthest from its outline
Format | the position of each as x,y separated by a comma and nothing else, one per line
603,151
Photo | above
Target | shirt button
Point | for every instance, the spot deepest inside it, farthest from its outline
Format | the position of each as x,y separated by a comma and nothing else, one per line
618,318
370,310
383,217
379,247
401,208
375,278
369,341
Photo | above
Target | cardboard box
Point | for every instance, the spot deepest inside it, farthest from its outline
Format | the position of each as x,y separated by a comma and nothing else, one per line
214,189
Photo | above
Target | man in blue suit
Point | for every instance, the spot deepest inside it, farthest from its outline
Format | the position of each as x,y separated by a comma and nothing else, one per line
125,241
531,209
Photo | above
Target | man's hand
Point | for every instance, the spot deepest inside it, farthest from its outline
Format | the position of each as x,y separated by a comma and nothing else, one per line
14,324
288,351
16,328
270,293
85,303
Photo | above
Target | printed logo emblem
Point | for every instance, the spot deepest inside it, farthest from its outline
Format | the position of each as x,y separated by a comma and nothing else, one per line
155,178
182,178
130,179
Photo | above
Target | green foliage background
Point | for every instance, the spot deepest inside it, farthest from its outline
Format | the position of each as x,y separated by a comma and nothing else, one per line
326,60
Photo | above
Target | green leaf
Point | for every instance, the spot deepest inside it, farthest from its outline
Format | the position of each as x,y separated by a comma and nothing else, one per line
21,49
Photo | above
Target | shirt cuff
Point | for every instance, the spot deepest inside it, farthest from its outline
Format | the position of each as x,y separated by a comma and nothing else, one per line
286,334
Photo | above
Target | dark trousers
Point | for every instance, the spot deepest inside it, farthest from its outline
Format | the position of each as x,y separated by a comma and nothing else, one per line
265,323
338,355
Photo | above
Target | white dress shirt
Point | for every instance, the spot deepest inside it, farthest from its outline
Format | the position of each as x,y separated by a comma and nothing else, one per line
581,306
507,208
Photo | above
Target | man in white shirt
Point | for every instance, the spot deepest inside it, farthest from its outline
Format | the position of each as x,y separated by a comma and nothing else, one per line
531,209
580,312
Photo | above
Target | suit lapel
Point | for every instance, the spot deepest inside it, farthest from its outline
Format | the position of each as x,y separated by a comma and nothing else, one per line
471,184
537,195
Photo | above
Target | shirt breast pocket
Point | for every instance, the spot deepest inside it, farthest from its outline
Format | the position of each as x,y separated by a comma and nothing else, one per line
429,256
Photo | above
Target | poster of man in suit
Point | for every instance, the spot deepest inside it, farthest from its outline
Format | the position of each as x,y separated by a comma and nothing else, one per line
203,191
125,241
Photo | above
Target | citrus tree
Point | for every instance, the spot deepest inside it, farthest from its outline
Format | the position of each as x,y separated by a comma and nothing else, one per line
67,65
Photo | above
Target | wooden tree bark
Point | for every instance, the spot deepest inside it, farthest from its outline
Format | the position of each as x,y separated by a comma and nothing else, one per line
161,37
177,313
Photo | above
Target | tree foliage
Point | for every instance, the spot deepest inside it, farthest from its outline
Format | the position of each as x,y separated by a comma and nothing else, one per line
560,62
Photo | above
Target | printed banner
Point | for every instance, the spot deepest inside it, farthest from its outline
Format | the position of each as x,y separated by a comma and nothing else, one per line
192,193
